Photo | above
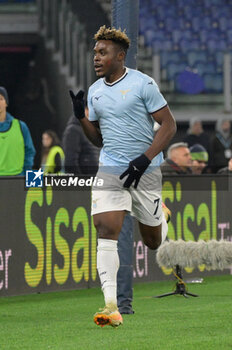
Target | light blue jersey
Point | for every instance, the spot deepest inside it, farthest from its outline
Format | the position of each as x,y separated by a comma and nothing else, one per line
123,111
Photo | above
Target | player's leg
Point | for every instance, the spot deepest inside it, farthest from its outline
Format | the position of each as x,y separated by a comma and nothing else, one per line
154,236
108,226
149,210
109,205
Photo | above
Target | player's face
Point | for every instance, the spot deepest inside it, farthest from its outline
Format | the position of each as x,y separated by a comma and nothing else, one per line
107,58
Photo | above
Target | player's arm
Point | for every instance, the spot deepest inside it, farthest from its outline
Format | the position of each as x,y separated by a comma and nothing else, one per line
153,100
91,129
167,130
165,133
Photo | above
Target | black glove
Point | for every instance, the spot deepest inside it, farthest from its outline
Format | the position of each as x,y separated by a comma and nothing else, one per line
135,170
78,104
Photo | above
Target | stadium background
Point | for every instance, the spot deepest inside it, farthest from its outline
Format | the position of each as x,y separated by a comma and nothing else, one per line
46,48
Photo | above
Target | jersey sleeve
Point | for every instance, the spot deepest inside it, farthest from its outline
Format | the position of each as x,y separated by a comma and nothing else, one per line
152,97
92,115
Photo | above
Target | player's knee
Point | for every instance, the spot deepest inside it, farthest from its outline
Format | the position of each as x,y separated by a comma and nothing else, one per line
152,244
105,230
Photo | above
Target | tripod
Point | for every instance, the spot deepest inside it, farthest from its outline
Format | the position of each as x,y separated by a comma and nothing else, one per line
180,286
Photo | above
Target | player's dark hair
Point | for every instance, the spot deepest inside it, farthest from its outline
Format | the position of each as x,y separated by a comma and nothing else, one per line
116,35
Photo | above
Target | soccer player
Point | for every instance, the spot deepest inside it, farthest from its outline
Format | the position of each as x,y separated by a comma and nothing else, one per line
123,106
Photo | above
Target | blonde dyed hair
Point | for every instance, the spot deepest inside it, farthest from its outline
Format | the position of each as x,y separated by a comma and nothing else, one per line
116,35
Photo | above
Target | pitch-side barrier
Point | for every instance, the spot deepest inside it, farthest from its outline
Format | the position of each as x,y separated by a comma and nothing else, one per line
48,240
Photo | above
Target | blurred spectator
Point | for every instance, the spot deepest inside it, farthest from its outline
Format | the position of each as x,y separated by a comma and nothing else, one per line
52,157
81,156
16,146
33,100
178,160
196,134
221,145
227,170
199,157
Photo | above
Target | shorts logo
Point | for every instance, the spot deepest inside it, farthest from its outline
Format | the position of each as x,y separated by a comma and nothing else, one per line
94,204
34,178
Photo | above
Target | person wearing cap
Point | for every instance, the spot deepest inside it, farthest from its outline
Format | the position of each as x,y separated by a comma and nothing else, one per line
16,145
199,157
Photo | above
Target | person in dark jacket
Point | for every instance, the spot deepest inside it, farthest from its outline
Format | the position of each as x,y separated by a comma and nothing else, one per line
81,157
196,135
178,160
227,170
221,145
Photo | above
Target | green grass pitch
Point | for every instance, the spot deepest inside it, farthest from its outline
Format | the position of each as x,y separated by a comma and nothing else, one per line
64,320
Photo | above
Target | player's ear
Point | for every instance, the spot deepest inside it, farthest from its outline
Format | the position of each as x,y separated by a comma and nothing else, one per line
121,55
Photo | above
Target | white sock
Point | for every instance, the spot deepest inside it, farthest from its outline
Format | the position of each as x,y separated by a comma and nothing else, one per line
164,229
107,266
